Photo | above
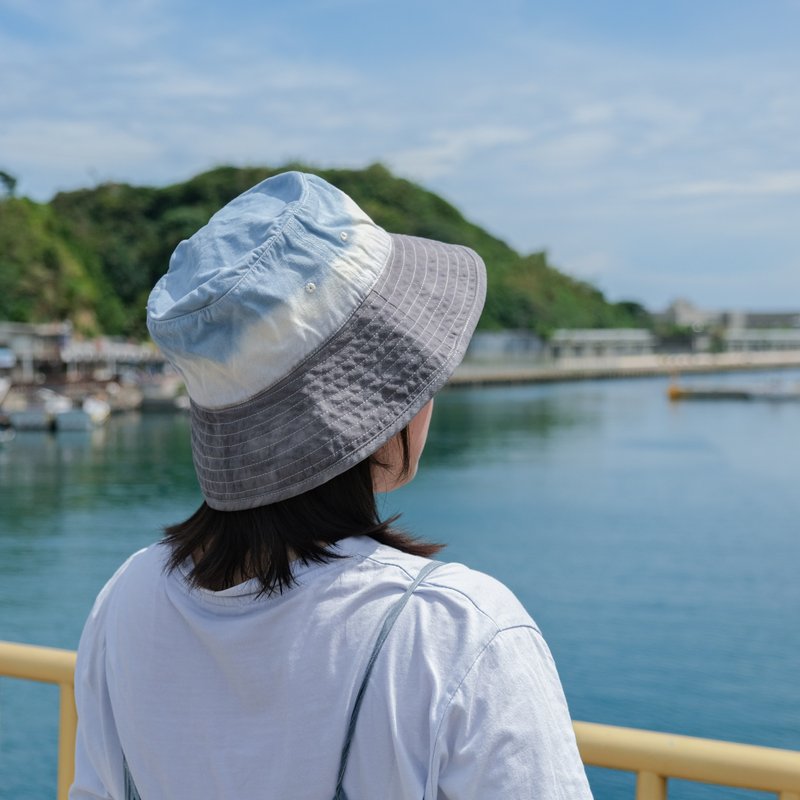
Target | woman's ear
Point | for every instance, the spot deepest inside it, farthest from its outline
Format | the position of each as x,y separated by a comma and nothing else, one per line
388,472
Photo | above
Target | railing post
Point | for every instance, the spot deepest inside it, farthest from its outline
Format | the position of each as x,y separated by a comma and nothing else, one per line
68,722
650,786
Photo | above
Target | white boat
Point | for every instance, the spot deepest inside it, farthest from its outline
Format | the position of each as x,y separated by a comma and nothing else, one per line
53,402
31,419
98,410
92,413
36,411
76,419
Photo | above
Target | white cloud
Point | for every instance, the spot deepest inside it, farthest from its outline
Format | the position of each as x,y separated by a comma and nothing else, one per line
576,150
55,154
580,148
765,184
446,151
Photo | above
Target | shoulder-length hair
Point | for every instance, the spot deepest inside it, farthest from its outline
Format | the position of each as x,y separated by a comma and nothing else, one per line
227,547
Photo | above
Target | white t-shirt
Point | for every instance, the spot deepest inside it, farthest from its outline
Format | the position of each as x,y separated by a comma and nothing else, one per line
225,695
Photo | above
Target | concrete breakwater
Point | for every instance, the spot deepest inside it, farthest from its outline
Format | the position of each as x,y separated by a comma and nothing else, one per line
485,372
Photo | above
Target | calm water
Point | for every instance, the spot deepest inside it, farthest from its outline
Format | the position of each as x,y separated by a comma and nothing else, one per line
657,546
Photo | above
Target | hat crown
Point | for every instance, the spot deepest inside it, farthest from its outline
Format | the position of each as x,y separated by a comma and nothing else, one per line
265,282
208,264
307,336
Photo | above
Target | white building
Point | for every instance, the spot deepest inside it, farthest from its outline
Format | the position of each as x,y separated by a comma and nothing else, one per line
579,343
505,345
748,340
601,343
34,346
685,314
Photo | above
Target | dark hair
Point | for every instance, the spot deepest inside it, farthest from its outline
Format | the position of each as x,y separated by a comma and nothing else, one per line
261,542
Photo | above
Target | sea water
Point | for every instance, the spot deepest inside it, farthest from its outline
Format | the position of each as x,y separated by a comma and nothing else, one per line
656,545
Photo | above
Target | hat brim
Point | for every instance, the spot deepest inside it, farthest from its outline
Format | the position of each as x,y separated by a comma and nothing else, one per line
355,392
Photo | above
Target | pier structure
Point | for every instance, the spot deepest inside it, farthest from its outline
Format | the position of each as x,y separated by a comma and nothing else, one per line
484,372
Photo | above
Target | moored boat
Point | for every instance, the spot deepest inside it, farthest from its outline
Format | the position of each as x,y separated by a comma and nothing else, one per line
7,432
97,409
76,419
778,394
46,410
35,410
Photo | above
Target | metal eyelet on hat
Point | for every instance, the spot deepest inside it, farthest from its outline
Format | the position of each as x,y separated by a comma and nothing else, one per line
311,287
343,236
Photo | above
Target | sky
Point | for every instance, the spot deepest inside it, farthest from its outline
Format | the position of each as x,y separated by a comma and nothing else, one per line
651,148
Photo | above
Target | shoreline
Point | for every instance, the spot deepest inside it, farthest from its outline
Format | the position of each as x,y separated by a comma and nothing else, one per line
483,373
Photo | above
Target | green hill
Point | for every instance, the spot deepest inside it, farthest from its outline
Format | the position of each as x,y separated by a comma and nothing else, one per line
43,277
93,255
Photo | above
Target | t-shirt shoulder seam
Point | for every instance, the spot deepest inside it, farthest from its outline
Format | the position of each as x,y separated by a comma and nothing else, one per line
431,581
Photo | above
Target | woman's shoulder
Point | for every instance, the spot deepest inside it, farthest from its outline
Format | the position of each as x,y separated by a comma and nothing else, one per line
142,568
481,594
454,589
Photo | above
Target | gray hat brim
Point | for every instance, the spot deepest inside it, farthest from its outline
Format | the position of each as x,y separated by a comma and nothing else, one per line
355,392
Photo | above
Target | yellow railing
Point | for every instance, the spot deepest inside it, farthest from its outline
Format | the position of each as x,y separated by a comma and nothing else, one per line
654,757
49,665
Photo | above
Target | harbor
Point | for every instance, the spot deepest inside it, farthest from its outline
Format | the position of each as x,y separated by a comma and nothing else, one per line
188,213
653,542
54,382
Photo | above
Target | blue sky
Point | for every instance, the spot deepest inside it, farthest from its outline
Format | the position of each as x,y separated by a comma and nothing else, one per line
652,148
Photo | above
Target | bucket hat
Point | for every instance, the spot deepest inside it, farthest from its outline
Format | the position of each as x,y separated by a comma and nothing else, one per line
307,336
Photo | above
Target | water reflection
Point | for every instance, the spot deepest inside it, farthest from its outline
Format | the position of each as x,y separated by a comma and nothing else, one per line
136,458
478,425
132,460
656,544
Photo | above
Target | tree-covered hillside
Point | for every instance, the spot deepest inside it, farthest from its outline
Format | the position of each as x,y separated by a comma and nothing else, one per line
93,255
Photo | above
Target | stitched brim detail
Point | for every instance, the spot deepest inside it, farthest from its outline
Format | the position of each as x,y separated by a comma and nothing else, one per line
354,393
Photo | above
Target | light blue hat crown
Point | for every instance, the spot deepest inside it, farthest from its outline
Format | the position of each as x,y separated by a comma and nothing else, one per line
276,271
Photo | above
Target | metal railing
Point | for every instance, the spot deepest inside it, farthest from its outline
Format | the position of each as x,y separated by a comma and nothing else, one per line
49,665
653,757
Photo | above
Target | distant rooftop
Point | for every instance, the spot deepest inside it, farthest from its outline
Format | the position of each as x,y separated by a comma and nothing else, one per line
683,312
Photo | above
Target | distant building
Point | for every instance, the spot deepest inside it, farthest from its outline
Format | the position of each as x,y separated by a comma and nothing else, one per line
735,331
7,360
48,351
107,357
578,343
36,348
760,320
601,342
748,340
505,345
685,314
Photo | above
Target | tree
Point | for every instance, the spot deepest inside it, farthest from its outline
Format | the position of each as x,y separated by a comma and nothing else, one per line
9,183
